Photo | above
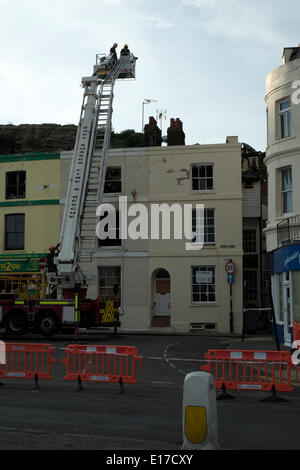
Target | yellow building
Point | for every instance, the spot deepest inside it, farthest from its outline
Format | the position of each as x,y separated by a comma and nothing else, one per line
29,211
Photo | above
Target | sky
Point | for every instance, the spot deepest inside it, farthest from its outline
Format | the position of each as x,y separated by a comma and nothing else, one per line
203,61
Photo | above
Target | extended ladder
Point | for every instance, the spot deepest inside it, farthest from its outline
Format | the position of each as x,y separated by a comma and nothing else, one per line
87,176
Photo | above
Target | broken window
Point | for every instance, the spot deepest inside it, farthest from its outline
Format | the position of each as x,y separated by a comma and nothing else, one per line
113,232
15,184
113,183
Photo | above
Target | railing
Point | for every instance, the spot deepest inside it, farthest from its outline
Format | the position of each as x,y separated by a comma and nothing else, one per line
25,288
288,231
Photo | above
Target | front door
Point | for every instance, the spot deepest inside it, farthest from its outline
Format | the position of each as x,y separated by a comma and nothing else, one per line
162,297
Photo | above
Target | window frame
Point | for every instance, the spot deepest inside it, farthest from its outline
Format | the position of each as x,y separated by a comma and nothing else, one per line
285,191
252,230
113,181
110,287
6,232
206,243
285,117
17,185
204,268
112,242
205,178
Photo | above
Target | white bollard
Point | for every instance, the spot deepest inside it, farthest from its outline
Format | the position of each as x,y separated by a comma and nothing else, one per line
200,425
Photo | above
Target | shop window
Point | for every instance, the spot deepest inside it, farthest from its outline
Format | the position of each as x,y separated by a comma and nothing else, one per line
296,295
203,284
15,184
14,231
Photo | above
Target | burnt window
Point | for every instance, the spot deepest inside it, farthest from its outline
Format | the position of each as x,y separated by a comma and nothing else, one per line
113,232
113,183
15,184
14,231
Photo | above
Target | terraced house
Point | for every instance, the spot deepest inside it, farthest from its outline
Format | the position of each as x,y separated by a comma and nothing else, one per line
29,213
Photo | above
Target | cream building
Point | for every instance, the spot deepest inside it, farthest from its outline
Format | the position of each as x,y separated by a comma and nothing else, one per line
283,166
159,283
29,210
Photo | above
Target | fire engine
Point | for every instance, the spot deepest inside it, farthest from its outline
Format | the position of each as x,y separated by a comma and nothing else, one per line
60,301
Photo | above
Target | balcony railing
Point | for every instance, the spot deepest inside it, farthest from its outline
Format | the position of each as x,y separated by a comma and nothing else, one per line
288,231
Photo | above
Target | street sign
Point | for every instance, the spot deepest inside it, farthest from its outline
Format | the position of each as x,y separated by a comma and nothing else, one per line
230,278
230,267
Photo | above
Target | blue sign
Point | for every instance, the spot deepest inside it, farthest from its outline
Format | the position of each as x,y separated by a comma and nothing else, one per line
286,258
230,278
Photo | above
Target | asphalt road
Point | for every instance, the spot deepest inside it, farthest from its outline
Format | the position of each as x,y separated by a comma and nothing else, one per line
148,415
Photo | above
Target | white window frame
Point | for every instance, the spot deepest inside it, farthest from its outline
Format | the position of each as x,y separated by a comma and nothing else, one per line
284,115
285,191
208,268
207,243
205,178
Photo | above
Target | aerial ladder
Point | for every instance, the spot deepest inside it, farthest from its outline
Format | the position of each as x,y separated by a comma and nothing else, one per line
92,141
62,301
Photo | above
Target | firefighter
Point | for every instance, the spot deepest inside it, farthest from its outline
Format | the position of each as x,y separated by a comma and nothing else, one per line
53,251
113,51
125,50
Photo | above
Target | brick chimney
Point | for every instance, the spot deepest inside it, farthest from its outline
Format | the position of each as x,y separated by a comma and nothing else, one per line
152,133
176,136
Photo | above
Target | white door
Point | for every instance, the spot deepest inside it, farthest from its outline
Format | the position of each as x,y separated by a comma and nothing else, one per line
162,297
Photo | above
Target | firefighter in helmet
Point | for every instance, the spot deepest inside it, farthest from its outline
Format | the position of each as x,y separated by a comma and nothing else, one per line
125,50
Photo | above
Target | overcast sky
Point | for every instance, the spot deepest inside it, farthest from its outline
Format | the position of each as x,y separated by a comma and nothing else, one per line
204,61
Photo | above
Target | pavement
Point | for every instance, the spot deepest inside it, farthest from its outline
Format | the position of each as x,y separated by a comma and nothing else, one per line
148,416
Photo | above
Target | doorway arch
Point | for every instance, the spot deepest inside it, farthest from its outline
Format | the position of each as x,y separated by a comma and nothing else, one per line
161,291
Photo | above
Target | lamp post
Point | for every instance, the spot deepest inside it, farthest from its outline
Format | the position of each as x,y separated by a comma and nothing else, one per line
145,101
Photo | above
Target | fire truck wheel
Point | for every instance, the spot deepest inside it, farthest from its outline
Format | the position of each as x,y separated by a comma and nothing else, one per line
47,323
16,323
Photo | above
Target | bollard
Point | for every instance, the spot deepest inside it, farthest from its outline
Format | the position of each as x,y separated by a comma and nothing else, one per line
200,427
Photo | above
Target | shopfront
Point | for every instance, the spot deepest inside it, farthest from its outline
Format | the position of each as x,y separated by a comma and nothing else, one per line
285,275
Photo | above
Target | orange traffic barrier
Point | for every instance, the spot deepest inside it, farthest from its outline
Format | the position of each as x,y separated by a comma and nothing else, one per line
250,370
102,363
27,361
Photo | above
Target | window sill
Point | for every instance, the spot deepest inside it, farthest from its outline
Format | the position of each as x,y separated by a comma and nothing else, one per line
284,139
204,304
203,191
115,247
